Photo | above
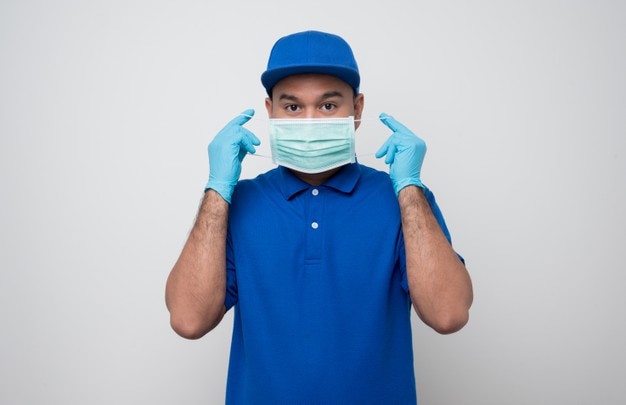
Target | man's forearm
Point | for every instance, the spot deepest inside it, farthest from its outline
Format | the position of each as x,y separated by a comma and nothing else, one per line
196,286
439,284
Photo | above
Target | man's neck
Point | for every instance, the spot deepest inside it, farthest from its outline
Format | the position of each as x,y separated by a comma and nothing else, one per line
315,179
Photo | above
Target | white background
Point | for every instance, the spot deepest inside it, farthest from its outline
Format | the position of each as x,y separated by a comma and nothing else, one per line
106,109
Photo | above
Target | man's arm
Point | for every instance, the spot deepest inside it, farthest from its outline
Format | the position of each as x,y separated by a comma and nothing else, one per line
439,284
196,286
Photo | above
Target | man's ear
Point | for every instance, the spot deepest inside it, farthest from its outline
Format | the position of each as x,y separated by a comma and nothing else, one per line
268,106
359,104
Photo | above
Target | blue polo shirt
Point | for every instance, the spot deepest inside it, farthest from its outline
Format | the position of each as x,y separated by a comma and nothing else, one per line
318,281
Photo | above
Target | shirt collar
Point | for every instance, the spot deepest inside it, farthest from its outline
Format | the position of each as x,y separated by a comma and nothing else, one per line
344,180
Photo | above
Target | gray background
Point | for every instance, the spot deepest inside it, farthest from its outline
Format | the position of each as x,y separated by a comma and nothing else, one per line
106,109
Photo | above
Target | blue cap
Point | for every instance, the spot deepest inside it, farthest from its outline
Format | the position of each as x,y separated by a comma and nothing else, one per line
311,52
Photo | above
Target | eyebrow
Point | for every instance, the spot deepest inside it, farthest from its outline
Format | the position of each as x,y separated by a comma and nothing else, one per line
327,95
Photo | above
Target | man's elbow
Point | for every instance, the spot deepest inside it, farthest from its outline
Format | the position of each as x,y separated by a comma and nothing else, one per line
450,322
193,329
453,315
187,330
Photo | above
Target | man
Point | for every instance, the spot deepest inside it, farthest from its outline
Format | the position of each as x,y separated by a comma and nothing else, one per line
321,257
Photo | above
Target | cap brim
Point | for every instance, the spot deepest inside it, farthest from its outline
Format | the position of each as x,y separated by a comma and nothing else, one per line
269,78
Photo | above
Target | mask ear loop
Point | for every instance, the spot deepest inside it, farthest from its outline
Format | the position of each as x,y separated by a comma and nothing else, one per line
370,154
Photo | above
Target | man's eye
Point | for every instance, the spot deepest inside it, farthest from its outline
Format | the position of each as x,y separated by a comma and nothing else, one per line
292,107
328,106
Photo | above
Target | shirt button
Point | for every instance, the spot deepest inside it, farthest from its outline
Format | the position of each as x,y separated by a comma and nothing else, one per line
314,225
315,191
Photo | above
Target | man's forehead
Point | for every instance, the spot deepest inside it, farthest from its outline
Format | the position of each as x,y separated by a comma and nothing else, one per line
311,85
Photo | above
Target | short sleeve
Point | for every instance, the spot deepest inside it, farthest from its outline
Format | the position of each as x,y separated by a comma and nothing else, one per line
231,276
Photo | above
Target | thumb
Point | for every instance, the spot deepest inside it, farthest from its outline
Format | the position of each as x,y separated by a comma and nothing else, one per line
383,149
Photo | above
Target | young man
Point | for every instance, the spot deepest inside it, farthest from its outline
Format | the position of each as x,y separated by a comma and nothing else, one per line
321,257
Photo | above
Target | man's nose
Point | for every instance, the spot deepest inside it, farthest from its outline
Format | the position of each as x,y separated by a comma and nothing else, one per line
313,112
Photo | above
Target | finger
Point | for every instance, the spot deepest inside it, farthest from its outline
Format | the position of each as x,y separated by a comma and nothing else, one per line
392,123
387,120
242,118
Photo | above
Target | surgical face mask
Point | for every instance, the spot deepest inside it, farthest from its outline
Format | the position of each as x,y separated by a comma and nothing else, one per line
312,145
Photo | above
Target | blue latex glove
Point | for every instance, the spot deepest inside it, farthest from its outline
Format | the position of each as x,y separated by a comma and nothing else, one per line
226,152
405,154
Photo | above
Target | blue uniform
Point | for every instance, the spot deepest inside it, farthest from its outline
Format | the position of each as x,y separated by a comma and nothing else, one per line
318,280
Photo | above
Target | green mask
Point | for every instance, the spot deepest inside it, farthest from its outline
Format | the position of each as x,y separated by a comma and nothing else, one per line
312,145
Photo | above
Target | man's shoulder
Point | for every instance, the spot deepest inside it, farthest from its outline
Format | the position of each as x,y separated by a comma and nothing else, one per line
376,174
372,178
260,180
251,190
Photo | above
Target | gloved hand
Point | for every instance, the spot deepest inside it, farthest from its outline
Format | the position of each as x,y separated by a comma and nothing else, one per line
405,154
226,152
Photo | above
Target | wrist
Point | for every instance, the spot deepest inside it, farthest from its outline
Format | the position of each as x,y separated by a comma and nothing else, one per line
224,189
213,196
400,185
411,191
412,201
